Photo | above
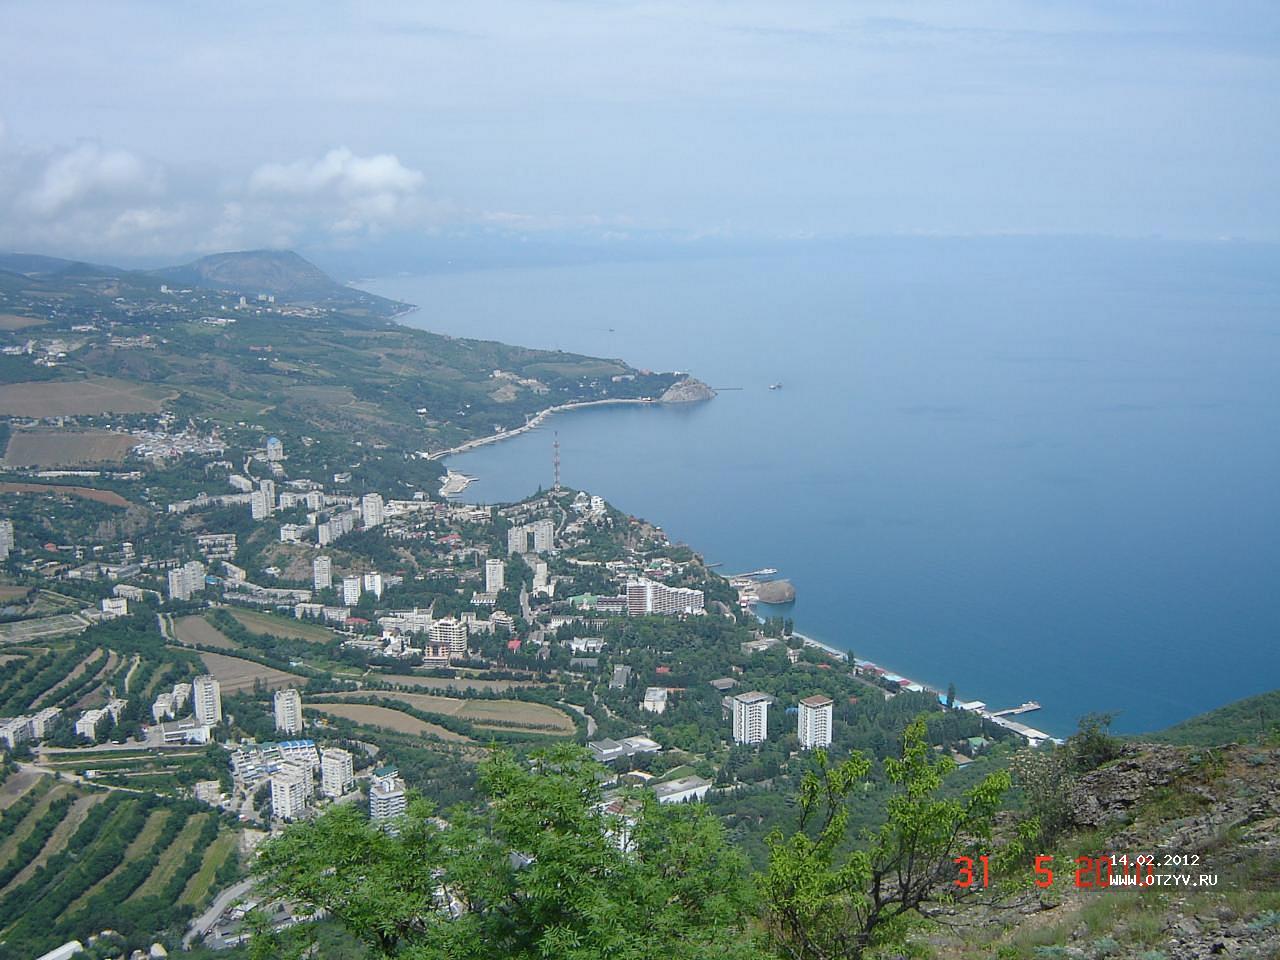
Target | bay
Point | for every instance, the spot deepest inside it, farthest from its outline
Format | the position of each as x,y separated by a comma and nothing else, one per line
1037,469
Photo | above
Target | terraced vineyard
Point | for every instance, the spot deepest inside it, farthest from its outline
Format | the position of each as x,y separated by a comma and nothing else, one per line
73,862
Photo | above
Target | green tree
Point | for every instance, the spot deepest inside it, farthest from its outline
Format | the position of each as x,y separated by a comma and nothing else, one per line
545,869
825,901
1092,744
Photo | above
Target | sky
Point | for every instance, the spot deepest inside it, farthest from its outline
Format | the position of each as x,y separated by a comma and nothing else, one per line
160,130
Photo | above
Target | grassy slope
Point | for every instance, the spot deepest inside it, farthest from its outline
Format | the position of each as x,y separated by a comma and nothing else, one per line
1245,720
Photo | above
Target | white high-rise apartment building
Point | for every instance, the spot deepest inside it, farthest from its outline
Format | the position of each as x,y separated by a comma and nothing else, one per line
495,576
751,717
262,502
386,794
337,774
813,724
259,506
350,591
648,596
288,710
206,696
6,538
291,788
544,535
371,510
452,632
186,580
373,584
275,449
517,540
322,573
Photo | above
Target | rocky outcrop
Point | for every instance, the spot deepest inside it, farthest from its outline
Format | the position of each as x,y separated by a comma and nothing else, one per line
688,390
1108,793
776,591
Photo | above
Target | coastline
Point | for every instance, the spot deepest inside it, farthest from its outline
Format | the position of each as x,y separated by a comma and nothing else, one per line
844,656
531,424
1001,718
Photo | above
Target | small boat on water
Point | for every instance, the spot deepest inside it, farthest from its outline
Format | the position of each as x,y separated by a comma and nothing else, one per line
776,386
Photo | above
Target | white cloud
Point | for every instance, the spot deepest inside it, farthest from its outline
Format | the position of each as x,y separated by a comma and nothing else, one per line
101,201
89,173
342,193
340,172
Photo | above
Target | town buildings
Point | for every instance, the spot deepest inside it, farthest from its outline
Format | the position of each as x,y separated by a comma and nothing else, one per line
386,794
682,790
291,788
646,596
655,700
6,538
217,546
351,589
287,704
337,773
322,573
206,695
453,633
751,717
814,722
495,575
186,580
541,532
259,506
371,509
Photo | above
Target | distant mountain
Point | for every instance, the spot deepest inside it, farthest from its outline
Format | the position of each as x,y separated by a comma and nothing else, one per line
279,272
38,265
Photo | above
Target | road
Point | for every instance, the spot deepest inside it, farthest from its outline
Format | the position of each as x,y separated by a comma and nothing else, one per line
76,778
591,721
202,924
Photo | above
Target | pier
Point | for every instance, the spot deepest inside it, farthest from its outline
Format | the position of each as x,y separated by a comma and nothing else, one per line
1029,707
754,574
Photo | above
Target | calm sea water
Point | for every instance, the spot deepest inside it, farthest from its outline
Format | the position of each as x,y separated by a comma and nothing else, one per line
1039,470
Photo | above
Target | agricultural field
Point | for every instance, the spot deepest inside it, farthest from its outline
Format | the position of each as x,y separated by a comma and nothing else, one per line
77,815
11,321
69,398
388,718
459,683
73,860
201,882
69,680
33,448
12,592
270,624
195,629
236,675
109,497
42,628
17,786
489,713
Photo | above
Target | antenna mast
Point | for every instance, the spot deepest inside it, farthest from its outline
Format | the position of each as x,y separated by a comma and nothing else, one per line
555,459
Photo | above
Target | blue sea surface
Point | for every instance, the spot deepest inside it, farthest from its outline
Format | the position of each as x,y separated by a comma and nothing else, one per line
1038,469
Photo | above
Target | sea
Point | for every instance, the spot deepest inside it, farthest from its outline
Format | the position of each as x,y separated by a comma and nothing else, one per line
1037,469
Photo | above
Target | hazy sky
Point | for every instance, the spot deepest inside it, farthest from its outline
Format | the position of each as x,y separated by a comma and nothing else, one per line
149,128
